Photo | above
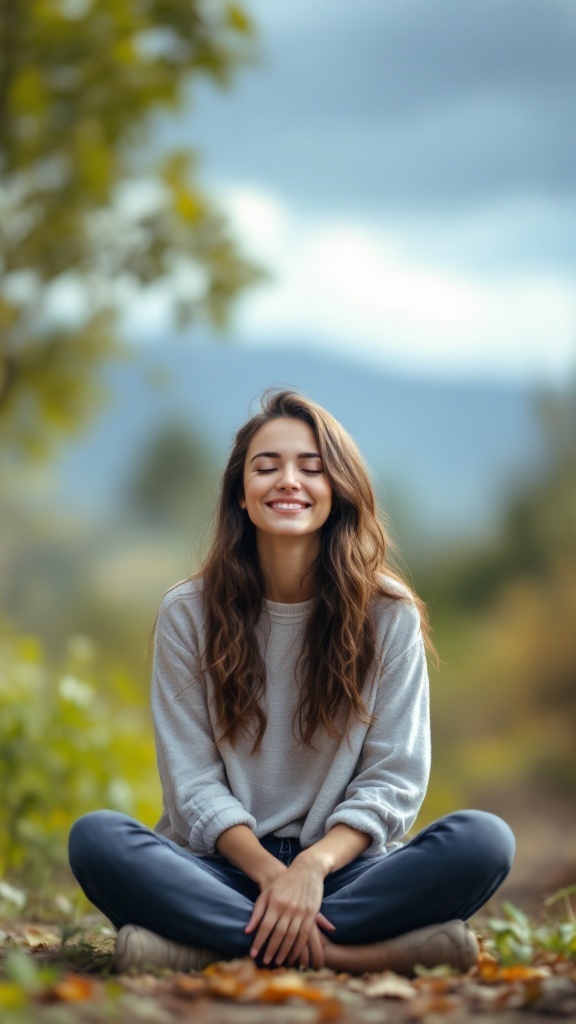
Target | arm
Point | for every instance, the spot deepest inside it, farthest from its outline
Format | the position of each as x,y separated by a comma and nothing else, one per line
194,783
338,847
385,795
241,847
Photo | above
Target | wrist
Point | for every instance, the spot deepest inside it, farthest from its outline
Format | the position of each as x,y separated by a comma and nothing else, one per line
268,871
315,859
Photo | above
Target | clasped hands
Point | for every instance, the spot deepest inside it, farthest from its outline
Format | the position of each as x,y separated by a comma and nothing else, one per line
286,918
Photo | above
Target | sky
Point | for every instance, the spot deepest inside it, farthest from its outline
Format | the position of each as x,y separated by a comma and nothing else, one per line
406,171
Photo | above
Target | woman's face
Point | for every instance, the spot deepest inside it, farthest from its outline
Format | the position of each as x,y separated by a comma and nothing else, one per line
286,490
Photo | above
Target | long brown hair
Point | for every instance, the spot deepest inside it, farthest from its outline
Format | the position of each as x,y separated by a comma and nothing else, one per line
339,639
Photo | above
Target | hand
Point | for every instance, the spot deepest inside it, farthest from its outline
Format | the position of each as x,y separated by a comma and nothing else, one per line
287,915
318,957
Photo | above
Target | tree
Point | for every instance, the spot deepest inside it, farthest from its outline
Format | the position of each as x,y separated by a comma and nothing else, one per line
79,82
172,479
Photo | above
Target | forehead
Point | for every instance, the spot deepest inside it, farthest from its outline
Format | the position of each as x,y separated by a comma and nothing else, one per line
285,436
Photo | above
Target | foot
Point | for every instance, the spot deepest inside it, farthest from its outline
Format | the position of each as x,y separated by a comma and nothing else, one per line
452,943
139,948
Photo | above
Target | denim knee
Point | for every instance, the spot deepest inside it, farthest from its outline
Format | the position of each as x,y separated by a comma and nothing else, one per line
485,841
92,837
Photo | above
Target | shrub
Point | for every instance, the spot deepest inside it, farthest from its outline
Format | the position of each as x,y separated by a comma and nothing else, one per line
73,737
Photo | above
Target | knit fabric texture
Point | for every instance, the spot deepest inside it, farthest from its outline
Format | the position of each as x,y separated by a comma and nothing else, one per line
373,779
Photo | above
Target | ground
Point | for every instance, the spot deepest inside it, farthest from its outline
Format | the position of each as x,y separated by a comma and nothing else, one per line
526,973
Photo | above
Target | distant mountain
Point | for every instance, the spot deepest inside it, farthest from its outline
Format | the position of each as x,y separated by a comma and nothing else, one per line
445,452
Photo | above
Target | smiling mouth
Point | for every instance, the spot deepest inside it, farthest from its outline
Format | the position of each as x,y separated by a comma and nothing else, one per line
287,506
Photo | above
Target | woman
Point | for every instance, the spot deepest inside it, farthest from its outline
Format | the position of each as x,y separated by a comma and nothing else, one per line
290,706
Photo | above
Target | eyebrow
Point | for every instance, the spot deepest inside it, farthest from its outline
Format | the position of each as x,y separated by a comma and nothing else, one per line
276,455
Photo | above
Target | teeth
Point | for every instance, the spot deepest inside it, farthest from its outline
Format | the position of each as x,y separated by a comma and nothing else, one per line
286,505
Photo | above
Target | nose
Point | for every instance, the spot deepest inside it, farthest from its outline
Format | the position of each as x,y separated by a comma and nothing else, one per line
288,479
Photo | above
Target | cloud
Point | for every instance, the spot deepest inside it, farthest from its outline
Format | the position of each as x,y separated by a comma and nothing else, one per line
344,284
405,169
402,104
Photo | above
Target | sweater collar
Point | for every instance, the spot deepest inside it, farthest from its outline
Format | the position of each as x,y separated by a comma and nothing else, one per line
288,612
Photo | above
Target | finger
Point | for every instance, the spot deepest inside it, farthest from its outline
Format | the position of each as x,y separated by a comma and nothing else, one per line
266,928
294,941
277,937
316,949
257,914
323,922
302,938
304,960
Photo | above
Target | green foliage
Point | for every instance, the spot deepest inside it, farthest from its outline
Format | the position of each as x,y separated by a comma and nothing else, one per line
516,939
538,528
170,485
504,705
83,208
72,739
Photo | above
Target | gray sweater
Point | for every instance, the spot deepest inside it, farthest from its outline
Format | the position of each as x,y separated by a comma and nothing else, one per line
374,780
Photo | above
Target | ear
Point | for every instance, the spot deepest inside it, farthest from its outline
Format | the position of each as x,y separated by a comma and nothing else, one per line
242,502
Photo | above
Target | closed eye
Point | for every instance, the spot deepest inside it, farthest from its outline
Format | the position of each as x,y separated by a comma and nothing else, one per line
310,471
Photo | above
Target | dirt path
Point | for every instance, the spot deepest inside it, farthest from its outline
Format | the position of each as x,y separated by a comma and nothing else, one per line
545,828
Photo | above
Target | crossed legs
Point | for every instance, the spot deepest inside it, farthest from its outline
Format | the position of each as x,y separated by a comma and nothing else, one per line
449,870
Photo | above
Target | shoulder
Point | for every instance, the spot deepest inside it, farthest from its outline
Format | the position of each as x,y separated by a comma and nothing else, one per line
397,617
181,610
188,592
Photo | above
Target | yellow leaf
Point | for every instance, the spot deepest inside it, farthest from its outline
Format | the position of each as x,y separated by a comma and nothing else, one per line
238,19
11,996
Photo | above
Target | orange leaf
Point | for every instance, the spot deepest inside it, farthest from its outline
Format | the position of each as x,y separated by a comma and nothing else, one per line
329,1010
490,971
242,980
423,1006
189,986
74,989
488,967
436,986
519,972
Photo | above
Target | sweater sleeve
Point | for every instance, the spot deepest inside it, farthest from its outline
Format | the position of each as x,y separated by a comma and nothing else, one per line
392,774
194,784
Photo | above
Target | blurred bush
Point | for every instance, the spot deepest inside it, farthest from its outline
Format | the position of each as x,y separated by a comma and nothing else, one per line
91,216
73,737
504,704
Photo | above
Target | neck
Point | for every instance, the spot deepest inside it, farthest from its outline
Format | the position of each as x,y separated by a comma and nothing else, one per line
287,566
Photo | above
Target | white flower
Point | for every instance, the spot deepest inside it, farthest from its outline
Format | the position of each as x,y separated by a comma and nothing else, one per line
81,648
75,691
10,894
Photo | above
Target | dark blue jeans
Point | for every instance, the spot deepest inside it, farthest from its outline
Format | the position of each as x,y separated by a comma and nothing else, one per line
134,876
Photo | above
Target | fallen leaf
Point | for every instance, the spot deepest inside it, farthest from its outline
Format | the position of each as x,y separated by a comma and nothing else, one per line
487,967
437,984
386,985
39,938
330,1009
520,972
190,986
242,980
423,1006
490,971
73,989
